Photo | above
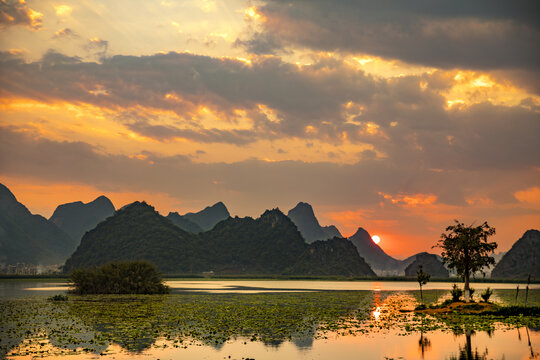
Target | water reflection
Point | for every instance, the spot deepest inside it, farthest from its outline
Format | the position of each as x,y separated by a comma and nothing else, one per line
299,323
466,351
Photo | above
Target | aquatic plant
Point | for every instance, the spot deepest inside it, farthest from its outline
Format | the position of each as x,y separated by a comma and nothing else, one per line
486,294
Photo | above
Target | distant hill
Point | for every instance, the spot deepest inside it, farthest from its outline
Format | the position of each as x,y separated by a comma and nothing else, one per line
308,225
76,218
379,261
522,259
270,244
183,223
430,264
135,232
332,257
28,238
209,216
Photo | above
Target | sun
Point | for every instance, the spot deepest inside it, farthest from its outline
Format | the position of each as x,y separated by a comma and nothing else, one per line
376,239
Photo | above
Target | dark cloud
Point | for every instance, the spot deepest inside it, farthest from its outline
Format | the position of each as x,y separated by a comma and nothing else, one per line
162,132
65,33
481,34
97,46
183,83
15,12
401,119
252,184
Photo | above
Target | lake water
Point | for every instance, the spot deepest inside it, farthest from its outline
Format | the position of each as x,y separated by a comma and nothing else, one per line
259,319
23,288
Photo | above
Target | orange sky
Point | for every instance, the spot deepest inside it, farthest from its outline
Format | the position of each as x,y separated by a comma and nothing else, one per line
263,105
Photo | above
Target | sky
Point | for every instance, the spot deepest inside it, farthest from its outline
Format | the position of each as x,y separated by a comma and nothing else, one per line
394,116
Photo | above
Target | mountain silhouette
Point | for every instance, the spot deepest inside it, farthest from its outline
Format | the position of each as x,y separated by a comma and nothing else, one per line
308,225
209,216
29,238
379,261
331,257
76,218
270,244
183,223
430,264
522,259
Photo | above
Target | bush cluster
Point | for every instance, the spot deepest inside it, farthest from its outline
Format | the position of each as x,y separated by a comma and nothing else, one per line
128,277
456,293
486,294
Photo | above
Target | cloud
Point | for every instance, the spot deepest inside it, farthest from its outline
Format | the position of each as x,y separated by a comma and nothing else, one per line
97,45
477,35
63,10
219,100
16,12
65,32
25,153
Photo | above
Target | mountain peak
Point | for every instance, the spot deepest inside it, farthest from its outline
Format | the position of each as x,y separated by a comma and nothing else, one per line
102,199
361,232
76,218
304,208
29,238
373,253
308,225
522,259
209,216
6,194
274,216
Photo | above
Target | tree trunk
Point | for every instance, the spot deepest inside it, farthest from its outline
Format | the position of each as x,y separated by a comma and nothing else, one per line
466,289
421,294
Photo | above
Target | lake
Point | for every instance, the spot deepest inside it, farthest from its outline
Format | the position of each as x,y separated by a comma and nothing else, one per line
260,319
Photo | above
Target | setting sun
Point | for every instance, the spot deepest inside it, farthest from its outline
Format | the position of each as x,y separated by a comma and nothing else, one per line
376,239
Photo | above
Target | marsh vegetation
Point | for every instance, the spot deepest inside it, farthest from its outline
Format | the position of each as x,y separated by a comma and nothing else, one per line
103,324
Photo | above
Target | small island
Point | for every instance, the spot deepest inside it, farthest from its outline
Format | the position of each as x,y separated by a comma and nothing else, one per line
126,277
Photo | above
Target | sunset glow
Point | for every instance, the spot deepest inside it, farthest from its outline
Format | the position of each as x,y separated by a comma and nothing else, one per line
261,105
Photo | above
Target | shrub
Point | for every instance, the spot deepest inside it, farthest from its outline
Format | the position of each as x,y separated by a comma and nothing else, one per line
134,277
471,292
420,307
58,297
486,294
456,293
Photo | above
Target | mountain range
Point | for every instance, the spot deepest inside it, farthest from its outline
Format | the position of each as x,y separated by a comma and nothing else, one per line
270,244
29,238
242,245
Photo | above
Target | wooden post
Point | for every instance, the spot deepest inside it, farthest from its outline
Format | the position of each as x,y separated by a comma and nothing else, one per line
527,289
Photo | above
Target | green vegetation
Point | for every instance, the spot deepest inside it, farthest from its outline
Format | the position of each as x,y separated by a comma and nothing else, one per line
135,277
90,323
270,244
456,293
486,294
466,249
58,297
